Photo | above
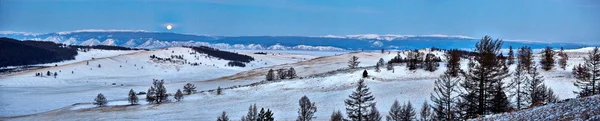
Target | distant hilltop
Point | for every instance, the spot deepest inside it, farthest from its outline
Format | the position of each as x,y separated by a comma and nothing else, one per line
152,40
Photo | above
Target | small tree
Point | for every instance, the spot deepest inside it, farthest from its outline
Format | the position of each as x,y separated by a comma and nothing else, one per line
161,91
219,91
381,62
252,114
307,109
265,116
99,66
270,75
281,73
353,62
336,116
150,96
511,56
430,63
178,95
377,68
426,114
291,73
390,67
189,88
133,99
223,117
395,112
563,59
359,102
374,114
408,112
48,73
100,100
547,59
55,74
365,74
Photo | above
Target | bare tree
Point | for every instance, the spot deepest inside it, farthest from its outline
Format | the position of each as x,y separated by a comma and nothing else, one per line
307,109
189,88
353,62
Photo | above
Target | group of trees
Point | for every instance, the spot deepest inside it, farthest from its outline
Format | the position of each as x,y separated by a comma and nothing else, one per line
414,60
588,74
47,74
281,74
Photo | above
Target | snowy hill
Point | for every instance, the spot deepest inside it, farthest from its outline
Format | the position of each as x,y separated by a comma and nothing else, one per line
580,109
146,39
325,80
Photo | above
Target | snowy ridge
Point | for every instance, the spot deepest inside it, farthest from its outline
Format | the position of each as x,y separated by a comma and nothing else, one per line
390,37
579,109
98,30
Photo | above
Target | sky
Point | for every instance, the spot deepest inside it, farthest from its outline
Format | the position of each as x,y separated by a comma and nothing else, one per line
536,20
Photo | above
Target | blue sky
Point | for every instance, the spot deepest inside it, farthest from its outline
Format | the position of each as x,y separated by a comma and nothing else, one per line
539,20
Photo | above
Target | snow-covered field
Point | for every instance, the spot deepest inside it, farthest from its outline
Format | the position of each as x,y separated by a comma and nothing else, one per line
53,98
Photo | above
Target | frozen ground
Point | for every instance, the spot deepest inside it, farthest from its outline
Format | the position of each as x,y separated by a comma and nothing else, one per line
24,92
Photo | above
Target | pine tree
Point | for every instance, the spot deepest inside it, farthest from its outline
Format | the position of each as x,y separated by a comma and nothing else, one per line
444,102
525,58
426,114
518,87
563,59
353,62
511,56
413,60
270,75
151,95
336,116
395,112
408,112
588,75
223,117
359,102
189,88
373,114
551,97
265,116
100,100
307,109
486,71
547,59
178,95
291,73
133,99
500,102
453,66
365,74
219,90
252,114
430,63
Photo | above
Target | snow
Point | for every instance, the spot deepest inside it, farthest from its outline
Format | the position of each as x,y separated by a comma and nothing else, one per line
325,80
98,30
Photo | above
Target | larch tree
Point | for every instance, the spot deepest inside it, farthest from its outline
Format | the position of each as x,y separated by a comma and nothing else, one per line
133,99
307,109
336,116
100,100
444,98
426,113
525,58
453,65
487,71
377,69
408,112
562,62
547,59
189,88
518,87
535,88
281,73
430,64
353,62
359,102
252,114
150,96
381,62
500,102
374,114
265,115
511,56
395,112
161,92
291,73
390,67
588,75
223,117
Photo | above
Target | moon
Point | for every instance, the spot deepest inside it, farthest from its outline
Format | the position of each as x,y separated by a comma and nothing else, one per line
169,27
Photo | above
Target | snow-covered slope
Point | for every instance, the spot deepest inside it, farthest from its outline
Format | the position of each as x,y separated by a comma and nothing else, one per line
324,80
580,109
76,81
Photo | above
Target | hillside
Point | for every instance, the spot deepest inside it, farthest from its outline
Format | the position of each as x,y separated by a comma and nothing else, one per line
579,109
16,53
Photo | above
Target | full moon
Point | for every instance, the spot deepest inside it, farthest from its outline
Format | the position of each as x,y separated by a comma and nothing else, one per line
169,27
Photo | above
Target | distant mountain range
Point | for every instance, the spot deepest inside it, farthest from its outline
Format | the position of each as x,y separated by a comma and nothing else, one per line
153,40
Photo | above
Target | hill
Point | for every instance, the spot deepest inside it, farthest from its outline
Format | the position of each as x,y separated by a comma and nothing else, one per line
579,109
